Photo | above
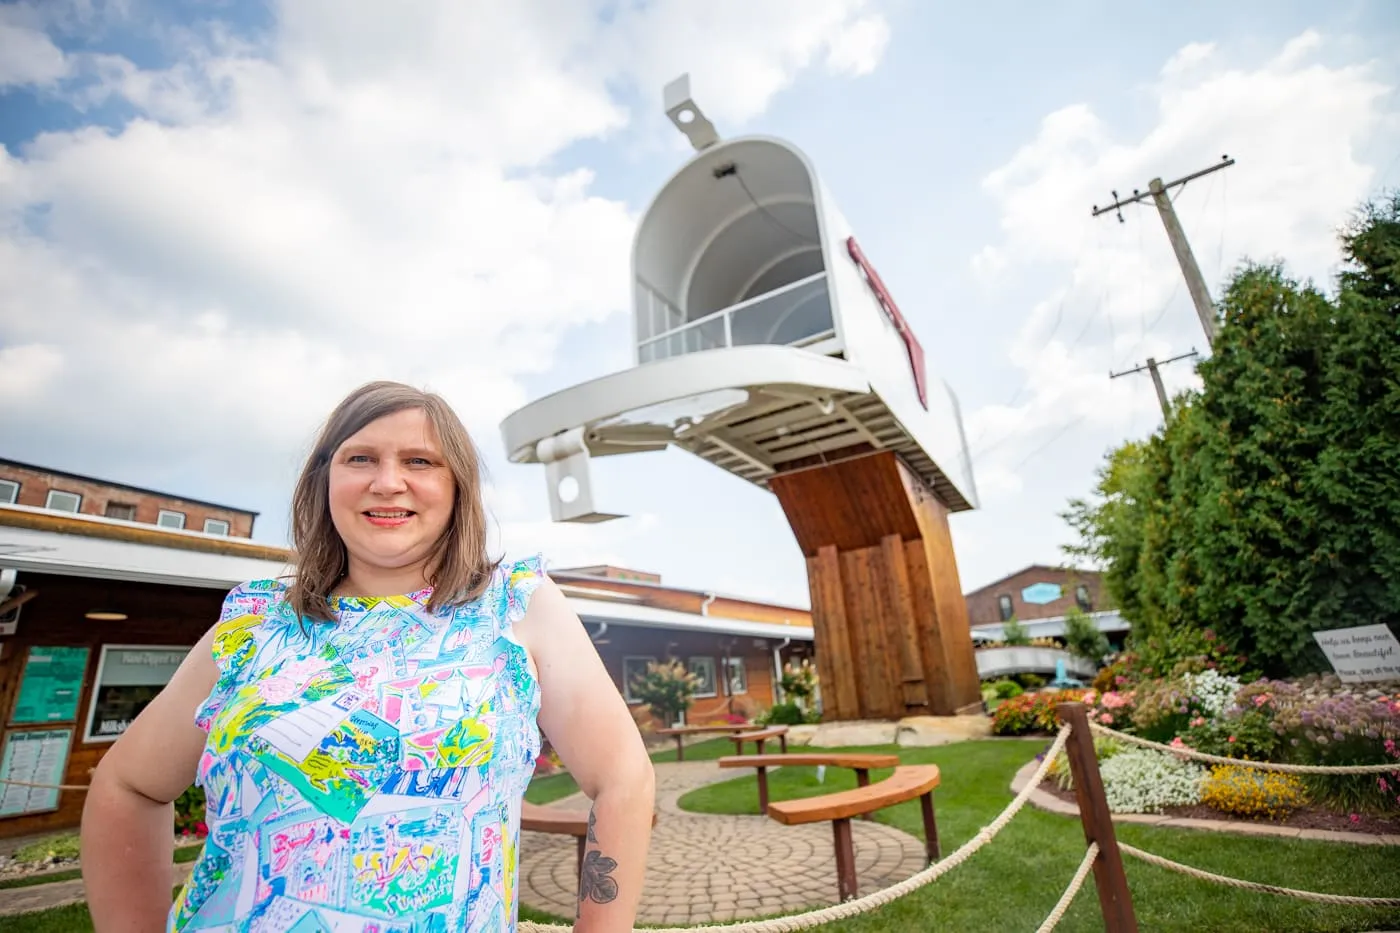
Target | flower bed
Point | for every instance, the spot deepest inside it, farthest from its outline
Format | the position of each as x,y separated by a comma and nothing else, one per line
1211,708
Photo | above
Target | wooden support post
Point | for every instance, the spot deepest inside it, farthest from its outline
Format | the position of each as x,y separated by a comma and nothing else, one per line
680,747
763,791
782,742
578,869
931,844
845,860
1115,900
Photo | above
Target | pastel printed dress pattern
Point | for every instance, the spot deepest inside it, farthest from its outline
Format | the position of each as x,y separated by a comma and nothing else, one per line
365,776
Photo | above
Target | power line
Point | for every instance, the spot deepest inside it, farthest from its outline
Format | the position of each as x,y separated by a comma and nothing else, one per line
1161,197
1152,366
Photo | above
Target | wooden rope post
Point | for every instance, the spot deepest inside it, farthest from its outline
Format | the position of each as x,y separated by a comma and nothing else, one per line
863,780
762,790
1115,900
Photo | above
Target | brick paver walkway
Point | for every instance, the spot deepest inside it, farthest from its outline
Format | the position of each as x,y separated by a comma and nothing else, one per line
705,868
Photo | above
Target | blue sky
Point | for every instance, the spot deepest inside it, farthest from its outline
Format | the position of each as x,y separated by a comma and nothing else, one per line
217,218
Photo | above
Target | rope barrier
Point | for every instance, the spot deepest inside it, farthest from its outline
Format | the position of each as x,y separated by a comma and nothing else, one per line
1339,899
803,921
1191,753
1074,885
45,786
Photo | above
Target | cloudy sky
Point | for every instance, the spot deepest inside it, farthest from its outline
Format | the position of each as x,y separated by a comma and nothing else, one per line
218,217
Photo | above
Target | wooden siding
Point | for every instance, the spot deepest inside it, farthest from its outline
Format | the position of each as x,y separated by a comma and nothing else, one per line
159,615
887,611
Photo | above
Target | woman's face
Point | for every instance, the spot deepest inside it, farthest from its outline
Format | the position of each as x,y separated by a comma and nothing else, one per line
391,492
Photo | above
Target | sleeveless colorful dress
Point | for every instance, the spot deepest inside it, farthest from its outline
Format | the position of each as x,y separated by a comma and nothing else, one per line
365,776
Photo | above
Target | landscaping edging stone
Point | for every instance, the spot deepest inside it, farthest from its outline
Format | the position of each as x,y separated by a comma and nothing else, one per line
1045,801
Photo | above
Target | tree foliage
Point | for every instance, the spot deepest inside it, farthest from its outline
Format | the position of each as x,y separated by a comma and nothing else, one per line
1268,505
1082,636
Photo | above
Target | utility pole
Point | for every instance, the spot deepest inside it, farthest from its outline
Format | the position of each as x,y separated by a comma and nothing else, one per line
1153,367
1158,192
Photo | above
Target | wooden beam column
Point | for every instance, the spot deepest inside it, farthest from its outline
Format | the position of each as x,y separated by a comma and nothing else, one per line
891,629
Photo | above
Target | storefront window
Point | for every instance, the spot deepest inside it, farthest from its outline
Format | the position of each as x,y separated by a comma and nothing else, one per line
128,678
632,667
704,671
734,676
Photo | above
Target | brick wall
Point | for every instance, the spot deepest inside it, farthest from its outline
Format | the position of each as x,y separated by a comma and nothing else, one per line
983,605
34,486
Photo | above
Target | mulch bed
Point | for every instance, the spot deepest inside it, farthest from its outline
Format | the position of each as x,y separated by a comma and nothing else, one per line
1302,818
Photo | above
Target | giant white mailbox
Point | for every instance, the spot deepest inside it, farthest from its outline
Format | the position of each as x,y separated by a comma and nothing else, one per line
766,343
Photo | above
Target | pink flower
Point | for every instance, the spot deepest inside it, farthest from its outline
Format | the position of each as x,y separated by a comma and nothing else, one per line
1090,697
1261,699
1198,721
1356,818
1177,743
1230,739
1106,719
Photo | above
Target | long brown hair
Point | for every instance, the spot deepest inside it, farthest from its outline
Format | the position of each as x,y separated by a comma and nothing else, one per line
462,568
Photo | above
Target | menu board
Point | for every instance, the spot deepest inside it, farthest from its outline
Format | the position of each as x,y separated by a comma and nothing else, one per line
51,684
35,757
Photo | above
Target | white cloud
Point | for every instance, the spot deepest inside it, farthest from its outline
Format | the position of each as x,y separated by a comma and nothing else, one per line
740,54
366,192
1293,124
27,55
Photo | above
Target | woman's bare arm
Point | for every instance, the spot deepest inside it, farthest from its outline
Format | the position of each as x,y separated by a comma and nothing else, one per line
588,724
128,829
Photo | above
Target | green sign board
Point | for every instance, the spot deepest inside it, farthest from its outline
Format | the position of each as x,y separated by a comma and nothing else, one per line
51,685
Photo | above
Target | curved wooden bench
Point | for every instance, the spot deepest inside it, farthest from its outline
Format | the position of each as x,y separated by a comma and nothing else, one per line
906,783
861,764
556,820
680,732
759,737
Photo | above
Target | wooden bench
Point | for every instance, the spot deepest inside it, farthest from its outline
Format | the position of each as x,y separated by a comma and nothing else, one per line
906,783
759,737
680,732
862,765
556,820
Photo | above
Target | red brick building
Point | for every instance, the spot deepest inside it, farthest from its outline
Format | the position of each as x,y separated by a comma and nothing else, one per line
1037,592
58,491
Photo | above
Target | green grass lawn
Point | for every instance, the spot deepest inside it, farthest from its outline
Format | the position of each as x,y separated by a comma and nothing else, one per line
1014,882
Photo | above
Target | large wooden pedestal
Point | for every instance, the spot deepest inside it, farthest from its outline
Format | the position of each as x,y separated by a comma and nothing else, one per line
891,626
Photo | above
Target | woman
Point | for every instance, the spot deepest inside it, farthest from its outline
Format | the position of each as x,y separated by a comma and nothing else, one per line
364,733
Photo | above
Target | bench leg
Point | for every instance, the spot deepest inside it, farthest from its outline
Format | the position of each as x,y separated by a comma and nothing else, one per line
863,780
782,743
760,745
578,871
680,749
763,791
845,859
935,851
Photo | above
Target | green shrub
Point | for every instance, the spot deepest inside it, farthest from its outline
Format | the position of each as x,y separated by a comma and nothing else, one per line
1031,681
1006,689
784,714
62,848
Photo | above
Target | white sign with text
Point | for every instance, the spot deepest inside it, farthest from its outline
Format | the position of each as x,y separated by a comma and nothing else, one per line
1360,654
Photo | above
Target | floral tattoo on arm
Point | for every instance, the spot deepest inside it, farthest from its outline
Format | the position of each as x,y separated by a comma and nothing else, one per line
596,882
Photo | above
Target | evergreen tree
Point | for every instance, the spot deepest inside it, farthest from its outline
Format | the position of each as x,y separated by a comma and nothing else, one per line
1268,506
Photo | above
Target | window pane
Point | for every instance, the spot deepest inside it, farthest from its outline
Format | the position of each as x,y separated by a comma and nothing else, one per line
119,510
168,519
215,526
9,491
63,501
